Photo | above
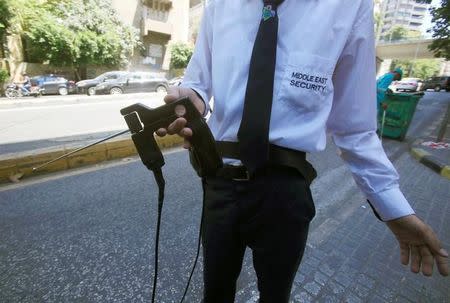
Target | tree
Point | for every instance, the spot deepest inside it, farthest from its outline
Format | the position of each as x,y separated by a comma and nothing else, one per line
181,53
73,33
441,30
426,68
399,32
396,33
5,15
421,68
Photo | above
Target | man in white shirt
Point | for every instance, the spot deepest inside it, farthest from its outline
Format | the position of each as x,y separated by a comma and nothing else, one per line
323,82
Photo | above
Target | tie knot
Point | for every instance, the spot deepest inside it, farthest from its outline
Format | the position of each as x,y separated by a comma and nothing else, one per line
274,3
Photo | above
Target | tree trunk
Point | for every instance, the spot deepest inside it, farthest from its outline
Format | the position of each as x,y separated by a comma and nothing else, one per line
80,73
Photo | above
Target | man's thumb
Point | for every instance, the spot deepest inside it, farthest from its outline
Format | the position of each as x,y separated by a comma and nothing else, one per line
173,93
434,244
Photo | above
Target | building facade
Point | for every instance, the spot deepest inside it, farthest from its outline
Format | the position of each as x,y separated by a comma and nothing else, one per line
160,23
409,14
196,8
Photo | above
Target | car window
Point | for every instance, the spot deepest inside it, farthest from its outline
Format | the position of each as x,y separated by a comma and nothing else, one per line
111,76
149,76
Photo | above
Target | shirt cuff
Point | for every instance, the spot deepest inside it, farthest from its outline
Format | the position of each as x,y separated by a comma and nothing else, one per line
202,96
390,204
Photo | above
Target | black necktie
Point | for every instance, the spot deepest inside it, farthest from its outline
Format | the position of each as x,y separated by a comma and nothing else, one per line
253,134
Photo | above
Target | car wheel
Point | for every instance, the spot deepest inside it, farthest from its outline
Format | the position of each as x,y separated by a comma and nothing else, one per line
63,91
116,91
437,88
91,91
161,89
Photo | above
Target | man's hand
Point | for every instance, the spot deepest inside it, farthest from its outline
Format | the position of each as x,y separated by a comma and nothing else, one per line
420,245
179,125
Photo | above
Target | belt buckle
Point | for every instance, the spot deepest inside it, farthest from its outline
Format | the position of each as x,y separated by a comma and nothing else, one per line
247,177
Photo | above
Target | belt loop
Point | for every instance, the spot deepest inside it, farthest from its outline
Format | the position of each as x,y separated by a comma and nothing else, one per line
247,177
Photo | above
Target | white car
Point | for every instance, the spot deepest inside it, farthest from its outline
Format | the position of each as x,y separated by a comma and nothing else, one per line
407,84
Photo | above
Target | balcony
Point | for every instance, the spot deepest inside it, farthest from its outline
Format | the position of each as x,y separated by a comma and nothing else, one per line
156,20
150,25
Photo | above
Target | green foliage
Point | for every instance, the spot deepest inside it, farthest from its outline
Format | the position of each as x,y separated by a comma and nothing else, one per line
3,75
73,33
441,30
181,53
421,68
426,68
399,32
5,15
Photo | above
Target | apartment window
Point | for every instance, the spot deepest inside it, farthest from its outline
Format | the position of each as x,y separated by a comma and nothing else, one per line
420,9
158,10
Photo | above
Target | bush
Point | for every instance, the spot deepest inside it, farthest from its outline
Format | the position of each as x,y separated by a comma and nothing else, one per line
3,75
181,54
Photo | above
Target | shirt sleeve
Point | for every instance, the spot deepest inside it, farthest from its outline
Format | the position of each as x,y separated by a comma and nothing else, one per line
198,71
352,123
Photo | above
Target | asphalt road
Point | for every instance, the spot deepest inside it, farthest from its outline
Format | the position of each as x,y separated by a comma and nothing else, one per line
87,235
60,117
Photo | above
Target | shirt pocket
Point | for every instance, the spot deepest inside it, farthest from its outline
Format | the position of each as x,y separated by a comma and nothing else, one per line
306,82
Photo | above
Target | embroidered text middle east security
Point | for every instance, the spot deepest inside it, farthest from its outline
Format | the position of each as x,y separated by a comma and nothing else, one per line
310,82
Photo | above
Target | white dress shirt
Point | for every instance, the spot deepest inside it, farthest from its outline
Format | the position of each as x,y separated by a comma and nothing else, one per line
324,82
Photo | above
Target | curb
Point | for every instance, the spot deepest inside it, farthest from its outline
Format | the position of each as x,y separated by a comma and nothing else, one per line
21,166
430,161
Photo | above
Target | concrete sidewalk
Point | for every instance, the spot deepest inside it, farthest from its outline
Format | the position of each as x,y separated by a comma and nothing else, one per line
434,150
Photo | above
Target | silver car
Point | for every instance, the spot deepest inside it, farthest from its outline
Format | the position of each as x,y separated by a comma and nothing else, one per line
407,84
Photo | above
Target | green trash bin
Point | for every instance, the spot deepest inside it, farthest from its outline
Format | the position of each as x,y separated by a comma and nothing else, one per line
399,113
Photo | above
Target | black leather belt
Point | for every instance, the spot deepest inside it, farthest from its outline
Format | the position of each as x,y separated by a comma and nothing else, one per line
237,173
278,156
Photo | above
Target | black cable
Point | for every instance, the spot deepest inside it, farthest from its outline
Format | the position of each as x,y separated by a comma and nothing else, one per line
198,245
161,185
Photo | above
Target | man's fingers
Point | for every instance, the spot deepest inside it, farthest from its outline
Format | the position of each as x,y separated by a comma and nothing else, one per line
427,260
442,265
404,253
186,132
161,132
415,259
434,244
176,126
186,144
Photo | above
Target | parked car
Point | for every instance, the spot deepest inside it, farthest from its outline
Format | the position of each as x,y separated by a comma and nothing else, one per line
88,86
437,83
53,84
407,84
176,81
133,82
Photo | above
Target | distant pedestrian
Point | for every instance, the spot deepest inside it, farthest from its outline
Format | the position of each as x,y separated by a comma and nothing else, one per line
384,82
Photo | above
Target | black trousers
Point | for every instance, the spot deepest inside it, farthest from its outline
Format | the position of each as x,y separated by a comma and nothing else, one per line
270,214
